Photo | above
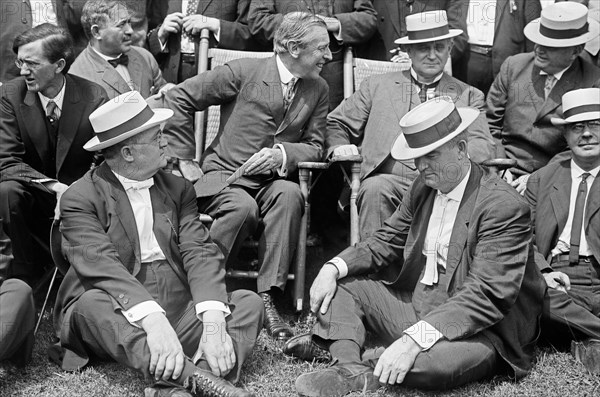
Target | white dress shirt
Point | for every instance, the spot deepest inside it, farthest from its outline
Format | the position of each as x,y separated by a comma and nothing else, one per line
481,22
564,239
138,193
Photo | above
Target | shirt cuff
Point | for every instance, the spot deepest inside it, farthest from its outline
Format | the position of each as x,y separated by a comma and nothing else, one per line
141,310
424,334
340,264
211,305
283,170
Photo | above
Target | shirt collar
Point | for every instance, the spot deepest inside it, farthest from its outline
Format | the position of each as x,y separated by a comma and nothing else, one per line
131,183
58,99
458,192
284,74
576,171
104,56
414,75
557,75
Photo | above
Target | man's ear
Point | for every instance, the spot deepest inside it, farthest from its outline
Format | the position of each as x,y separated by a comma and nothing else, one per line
127,154
95,30
576,51
293,48
60,65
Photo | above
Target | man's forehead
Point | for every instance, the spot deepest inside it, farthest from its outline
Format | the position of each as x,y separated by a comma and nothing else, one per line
35,48
119,13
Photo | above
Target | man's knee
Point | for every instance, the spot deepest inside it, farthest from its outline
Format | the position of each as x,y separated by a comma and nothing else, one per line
249,310
239,207
11,193
19,294
93,303
288,195
375,188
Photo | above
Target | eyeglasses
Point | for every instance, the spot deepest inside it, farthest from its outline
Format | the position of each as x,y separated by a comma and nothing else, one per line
579,127
31,65
155,141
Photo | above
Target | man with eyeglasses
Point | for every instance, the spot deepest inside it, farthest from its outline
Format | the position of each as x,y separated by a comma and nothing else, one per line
564,197
527,91
370,117
43,126
110,59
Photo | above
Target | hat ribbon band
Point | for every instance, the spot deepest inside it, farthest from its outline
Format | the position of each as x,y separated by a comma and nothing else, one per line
428,33
563,34
136,121
581,109
434,133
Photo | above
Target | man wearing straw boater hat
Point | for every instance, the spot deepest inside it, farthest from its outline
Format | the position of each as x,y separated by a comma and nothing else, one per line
527,92
146,283
370,117
565,204
449,283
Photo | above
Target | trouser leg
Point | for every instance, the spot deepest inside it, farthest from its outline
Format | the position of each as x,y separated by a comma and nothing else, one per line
17,319
281,205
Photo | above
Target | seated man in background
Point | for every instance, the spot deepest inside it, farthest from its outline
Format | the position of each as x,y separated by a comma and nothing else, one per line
527,92
565,200
174,41
110,59
43,126
370,117
153,295
449,282
272,117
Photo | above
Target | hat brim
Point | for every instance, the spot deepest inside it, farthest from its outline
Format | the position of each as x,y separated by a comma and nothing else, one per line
532,32
406,40
401,151
160,116
576,119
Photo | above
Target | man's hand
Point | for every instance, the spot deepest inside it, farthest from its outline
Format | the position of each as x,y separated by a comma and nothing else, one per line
59,189
171,24
558,281
345,150
166,353
397,360
264,161
216,345
333,24
193,24
520,184
323,289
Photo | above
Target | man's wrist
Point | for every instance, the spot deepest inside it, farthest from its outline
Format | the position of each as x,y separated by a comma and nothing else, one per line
334,268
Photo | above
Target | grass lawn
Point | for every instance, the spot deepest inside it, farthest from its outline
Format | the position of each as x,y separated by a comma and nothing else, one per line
270,373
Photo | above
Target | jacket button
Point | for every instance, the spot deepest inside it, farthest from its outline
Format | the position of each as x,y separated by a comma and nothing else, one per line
23,20
121,296
125,301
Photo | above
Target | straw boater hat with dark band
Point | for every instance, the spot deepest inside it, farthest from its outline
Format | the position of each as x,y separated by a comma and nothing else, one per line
430,125
562,24
579,105
121,118
427,26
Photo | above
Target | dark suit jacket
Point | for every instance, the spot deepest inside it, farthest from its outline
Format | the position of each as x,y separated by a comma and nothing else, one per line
234,35
491,285
252,117
142,67
102,244
371,116
391,21
519,116
25,149
549,194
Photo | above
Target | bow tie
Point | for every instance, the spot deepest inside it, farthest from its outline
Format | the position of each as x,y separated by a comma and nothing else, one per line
138,185
121,60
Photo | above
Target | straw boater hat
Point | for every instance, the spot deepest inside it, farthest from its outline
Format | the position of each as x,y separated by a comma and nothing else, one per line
427,26
430,125
562,24
121,118
579,105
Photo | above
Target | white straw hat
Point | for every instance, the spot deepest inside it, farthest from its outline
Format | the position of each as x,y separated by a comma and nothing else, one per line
427,26
562,24
579,105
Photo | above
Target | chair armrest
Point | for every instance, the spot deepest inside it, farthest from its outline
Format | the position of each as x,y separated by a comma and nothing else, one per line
354,158
500,164
313,165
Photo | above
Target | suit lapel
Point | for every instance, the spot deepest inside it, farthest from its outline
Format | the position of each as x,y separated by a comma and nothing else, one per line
135,68
202,6
536,89
402,86
448,87
35,126
565,84
458,239
418,230
298,103
560,196
109,75
500,11
72,112
271,79
593,201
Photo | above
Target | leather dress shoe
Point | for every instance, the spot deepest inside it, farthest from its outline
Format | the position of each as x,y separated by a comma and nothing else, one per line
337,380
588,353
303,347
276,327
206,384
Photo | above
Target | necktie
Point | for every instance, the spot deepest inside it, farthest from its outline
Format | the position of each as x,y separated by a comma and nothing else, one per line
423,89
288,95
191,9
578,220
435,253
51,113
121,60
550,81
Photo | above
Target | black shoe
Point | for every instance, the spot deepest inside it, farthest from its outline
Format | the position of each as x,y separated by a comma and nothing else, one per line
206,384
276,327
337,380
588,353
303,347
